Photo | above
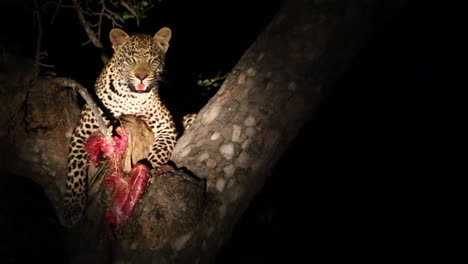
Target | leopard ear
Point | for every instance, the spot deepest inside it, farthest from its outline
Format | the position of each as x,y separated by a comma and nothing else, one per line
162,37
118,37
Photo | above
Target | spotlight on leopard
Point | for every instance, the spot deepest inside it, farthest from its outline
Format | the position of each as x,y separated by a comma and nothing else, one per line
128,85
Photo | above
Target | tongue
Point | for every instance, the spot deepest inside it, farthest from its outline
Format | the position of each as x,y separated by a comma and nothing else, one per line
140,87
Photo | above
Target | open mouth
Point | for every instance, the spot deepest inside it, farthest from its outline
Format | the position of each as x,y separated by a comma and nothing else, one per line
140,88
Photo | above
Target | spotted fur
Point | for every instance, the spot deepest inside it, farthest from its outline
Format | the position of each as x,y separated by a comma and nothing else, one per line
188,119
128,84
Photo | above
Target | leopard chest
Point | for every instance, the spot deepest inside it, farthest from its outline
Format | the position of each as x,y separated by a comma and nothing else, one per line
118,104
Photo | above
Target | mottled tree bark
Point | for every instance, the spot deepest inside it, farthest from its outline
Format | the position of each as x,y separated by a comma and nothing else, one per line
223,159
36,124
244,129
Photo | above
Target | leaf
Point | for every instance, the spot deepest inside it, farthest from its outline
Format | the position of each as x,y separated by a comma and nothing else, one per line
127,16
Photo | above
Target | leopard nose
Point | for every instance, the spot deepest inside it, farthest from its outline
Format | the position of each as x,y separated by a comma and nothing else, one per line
141,75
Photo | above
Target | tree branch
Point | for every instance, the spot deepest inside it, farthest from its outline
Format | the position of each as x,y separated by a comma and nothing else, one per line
54,14
86,26
38,22
131,10
66,82
243,130
233,145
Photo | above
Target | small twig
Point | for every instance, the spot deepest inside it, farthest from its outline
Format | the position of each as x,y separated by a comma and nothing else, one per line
218,78
111,15
213,80
46,65
85,24
98,173
86,42
99,24
57,8
87,12
131,10
111,18
38,24
113,3
89,100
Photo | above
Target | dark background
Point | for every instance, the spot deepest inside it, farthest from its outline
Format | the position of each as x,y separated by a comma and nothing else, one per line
375,176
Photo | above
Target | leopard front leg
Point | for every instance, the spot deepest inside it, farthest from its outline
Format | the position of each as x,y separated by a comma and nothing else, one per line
76,183
164,141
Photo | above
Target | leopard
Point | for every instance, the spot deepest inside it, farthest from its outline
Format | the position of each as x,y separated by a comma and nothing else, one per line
187,120
127,85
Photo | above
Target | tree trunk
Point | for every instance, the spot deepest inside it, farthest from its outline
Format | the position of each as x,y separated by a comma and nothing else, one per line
223,159
36,126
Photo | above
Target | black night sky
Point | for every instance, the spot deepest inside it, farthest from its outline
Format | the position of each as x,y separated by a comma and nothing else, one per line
375,176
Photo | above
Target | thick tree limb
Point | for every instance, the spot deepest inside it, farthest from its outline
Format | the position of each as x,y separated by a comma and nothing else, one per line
243,130
35,132
66,82
234,143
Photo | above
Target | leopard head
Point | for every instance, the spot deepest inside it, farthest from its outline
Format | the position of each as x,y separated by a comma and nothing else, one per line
138,59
